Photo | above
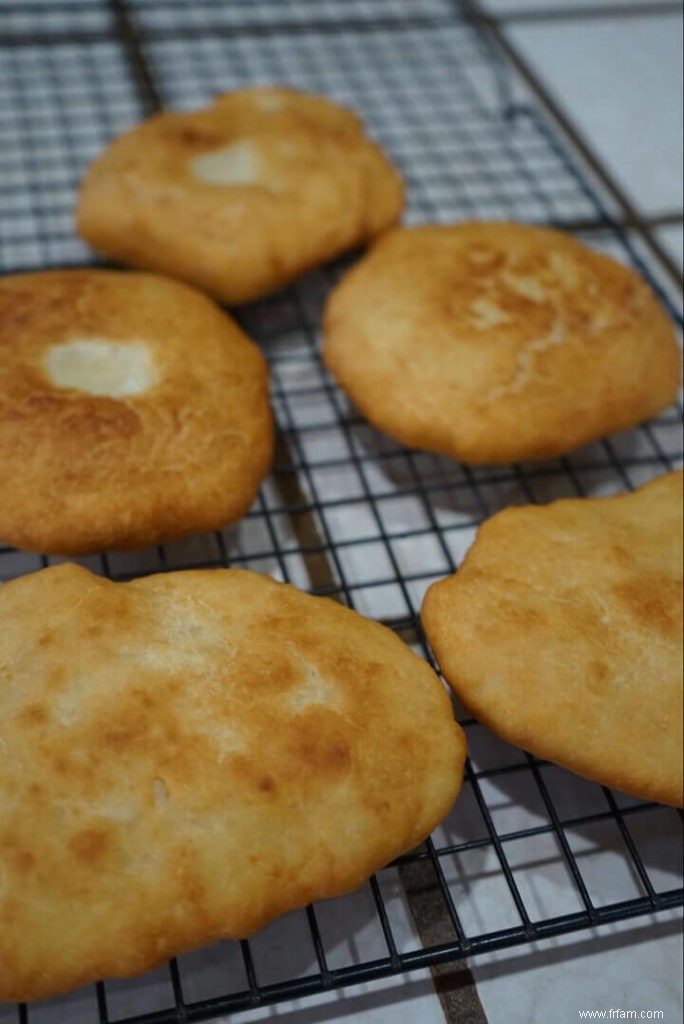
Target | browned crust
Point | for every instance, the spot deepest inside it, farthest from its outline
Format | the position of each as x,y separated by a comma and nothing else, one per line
562,632
189,755
83,472
140,203
493,342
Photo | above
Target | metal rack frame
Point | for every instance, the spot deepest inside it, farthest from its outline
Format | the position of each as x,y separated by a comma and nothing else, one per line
342,498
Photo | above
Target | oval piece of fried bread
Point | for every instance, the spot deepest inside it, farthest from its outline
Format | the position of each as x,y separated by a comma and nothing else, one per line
492,342
562,632
242,196
189,755
133,411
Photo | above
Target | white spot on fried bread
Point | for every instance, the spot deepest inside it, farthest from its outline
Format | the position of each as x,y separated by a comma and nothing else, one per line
237,164
100,367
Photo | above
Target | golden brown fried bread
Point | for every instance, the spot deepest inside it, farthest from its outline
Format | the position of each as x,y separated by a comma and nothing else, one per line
240,198
189,755
562,632
492,342
132,411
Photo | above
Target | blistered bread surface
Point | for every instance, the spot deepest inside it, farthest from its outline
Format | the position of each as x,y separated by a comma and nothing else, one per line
189,755
132,411
492,342
562,632
243,196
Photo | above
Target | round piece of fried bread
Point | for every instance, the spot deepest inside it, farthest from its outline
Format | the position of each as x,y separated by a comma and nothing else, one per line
189,755
240,198
132,411
492,342
562,632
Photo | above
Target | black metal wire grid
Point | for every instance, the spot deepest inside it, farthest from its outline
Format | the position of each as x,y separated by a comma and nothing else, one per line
529,851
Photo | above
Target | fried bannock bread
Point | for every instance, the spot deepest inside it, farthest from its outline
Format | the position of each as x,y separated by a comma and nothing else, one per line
240,198
562,632
492,342
132,411
189,755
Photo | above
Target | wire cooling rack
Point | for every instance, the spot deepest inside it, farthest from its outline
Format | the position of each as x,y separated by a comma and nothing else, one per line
530,851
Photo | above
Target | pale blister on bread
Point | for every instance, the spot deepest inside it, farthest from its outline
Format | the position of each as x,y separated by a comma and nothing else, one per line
132,411
240,198
562,632
189,755
494,342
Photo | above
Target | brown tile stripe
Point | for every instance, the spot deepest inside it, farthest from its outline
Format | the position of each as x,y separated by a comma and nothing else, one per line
454,984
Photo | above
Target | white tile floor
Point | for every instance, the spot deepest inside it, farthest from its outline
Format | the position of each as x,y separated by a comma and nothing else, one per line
634,965
620,82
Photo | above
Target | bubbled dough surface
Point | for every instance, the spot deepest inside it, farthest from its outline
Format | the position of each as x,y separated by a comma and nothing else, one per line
492,342
240,198
562,632
132,411
191,754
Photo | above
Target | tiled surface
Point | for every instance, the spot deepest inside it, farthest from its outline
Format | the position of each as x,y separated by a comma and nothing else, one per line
620,80
627,966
